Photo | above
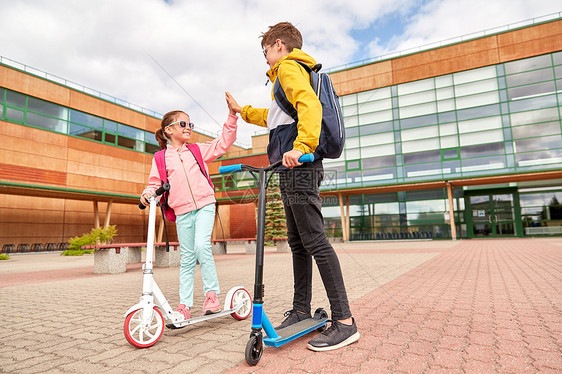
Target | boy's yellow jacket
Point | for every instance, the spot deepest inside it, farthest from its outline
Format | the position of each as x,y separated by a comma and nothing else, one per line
295,81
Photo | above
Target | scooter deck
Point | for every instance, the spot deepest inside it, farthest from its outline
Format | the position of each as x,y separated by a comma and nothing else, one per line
191,321
297,330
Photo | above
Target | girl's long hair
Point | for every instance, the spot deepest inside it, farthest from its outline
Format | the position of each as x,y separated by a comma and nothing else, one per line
160,135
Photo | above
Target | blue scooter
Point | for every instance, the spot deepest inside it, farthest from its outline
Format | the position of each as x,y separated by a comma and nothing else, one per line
274,338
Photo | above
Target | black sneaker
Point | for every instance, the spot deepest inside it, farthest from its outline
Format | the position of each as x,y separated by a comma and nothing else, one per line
336,336
292,317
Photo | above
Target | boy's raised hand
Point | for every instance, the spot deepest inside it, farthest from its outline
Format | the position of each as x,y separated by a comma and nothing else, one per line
233,106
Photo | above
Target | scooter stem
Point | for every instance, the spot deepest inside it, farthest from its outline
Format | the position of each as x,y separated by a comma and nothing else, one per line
150,235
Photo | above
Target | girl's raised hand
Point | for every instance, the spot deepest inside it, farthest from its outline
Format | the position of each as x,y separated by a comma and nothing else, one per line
233,106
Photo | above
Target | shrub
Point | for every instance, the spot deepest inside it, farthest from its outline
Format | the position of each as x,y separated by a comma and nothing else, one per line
101,235
4,257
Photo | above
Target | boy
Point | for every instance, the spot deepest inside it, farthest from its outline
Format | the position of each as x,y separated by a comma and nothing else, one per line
288,140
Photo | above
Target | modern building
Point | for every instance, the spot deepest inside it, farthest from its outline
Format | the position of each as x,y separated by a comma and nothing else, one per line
457,140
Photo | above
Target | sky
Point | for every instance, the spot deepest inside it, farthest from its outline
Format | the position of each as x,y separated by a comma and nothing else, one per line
184,54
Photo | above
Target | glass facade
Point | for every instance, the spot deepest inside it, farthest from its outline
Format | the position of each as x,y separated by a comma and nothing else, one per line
500,119
27,110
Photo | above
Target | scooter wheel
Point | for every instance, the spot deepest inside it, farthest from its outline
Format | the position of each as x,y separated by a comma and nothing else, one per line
139,335
239,296
254,349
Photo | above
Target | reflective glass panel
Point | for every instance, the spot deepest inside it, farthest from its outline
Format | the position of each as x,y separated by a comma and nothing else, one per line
14,114
530,77
533,103
15,99
535,144
543,115
85,119
131,132
420,157
528,64
478,112
47,108
45,122
549,128
482,150
85,132
377,162
531,90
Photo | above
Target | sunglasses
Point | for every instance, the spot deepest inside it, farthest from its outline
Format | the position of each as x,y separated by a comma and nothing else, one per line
266,49
183,124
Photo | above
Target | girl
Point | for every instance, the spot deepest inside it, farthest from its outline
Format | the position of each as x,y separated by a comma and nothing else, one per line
193,200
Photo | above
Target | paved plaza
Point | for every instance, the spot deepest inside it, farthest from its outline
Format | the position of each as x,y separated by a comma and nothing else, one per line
467,306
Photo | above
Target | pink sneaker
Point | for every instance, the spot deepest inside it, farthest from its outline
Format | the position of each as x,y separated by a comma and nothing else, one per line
211,304
185,311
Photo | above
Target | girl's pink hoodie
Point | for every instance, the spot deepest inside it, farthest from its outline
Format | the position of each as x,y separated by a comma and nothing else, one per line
189,189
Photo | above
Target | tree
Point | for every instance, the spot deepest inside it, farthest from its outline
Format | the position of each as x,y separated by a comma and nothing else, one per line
275,224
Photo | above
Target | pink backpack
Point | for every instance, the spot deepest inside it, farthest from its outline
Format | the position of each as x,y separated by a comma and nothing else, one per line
160,158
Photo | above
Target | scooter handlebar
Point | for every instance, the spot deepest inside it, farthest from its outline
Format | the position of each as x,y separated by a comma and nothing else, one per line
238,167
230,168
165,187
307,158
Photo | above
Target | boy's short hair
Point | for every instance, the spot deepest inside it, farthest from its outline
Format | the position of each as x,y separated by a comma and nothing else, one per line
285,31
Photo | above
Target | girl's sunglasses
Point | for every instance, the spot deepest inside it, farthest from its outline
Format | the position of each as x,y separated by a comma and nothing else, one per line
183,124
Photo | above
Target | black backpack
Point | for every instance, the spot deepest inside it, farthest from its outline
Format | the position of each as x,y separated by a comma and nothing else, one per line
332,132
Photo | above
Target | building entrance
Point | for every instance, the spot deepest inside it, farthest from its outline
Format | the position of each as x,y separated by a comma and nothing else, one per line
493,213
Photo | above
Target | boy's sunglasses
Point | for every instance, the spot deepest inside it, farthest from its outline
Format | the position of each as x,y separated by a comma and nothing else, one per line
183,124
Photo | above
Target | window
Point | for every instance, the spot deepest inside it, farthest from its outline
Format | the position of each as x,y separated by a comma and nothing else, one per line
536,144
86,119
482,150
535,116
528,64
28,110
529,77
47,108
15,99
549,128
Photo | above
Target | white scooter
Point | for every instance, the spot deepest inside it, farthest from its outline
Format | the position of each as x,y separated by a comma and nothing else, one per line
144,322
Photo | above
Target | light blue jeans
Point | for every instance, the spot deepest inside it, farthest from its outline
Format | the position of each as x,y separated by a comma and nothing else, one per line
194,234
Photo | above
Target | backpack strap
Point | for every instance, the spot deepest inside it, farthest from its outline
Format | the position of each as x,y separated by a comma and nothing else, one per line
281,97
160,158
196,151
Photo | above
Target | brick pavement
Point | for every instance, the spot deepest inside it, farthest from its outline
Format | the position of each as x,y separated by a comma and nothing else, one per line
473,306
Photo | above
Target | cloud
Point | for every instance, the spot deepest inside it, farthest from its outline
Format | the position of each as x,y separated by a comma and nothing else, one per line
440,20
213,46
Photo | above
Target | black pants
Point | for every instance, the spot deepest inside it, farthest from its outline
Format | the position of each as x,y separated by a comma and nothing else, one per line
307,239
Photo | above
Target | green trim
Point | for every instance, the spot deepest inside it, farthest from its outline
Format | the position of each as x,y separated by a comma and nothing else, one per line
243,156
71,190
